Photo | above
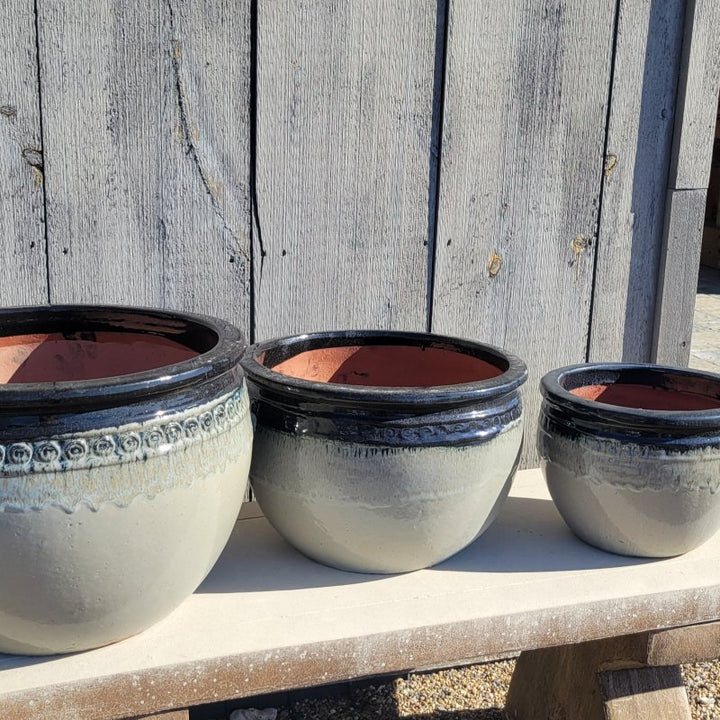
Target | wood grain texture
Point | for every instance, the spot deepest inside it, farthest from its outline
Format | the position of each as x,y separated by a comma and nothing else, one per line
677,283
22,222
344,125
695,643
521,167
699,84
601,680
146,107
655,693
695,116
639,143
561,682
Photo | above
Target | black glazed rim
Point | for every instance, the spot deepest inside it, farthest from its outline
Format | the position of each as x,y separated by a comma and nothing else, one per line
224,343
514,370
555,387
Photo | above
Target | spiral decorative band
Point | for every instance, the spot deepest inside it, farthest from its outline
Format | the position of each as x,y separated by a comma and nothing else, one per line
415,431
110,446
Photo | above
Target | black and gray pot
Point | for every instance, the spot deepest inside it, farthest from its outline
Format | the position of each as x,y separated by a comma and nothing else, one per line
125,442
631,454
383,451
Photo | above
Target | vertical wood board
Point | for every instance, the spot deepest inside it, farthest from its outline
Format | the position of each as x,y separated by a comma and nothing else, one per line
697,103
698,86
344,124
147,114
639,143
521,166
677,284
22,221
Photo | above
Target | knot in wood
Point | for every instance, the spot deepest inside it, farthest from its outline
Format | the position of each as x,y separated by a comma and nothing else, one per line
580,244
494,264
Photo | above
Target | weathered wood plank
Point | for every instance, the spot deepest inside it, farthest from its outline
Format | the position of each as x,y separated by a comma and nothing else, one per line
699,84
22,228
562,681
695,643
522,160
601,680
696,112
677,283
146,109
655,693
344,125
639,142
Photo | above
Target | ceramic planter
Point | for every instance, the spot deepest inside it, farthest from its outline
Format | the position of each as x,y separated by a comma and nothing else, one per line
631,454
125,443
383,451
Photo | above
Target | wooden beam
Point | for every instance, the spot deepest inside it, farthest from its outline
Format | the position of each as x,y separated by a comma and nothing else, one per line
344,159
22,213
526,94
561,682
694,643
146,116
695,119
634,180
697,104
677,283
655,693
602,680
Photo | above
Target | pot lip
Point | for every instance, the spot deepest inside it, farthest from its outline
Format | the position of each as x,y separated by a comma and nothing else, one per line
593,374
508,381
64,396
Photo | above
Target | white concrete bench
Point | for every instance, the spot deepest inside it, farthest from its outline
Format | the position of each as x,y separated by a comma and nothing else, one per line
267,619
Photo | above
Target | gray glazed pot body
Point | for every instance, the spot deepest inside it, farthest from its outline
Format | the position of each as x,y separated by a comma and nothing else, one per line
117,495
376,479
632,481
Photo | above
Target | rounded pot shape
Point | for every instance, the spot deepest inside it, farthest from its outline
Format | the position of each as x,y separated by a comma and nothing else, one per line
383,451
631,455
125,443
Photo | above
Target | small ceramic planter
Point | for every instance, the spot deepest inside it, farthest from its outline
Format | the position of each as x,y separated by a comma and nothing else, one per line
383,451
125,443
631,454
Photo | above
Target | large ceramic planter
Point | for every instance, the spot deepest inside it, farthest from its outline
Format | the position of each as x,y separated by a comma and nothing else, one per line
383,452
125,444
631,454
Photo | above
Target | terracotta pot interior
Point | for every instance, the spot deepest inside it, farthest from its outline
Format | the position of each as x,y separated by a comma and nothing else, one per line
387,366
646,397
61,357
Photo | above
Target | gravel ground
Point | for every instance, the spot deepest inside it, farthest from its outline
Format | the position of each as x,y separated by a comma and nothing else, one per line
475,692
702,681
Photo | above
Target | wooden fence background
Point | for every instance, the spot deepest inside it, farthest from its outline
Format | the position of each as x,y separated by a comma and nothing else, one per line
530,173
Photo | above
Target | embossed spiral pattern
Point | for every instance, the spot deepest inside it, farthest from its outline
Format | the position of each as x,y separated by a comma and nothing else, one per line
131,442
462,430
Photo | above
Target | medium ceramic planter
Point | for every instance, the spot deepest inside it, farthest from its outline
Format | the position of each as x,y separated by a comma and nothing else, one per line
631,454
380,451
125,443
